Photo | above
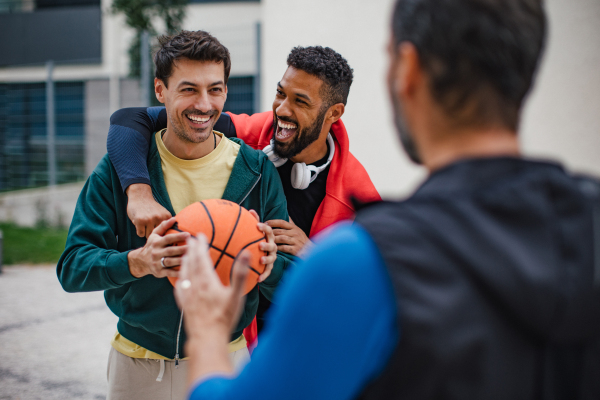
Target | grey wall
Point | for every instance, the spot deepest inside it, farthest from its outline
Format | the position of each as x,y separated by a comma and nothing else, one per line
97,115
64,34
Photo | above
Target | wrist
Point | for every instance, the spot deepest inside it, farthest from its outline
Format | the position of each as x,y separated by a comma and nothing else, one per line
139,189
135,265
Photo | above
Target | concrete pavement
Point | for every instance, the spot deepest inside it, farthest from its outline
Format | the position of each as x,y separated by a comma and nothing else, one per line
53,344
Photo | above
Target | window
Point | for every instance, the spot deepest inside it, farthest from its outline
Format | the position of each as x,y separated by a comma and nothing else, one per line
240,95
23,145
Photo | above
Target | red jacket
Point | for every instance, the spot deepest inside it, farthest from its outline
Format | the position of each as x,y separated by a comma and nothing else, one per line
347,177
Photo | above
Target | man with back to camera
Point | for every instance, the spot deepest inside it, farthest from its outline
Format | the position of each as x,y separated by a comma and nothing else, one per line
188,162
484,284
304,127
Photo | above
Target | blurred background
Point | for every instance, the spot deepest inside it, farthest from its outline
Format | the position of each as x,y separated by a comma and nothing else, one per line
66,65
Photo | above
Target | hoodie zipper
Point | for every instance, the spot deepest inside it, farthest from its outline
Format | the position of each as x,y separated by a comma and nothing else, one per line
251,189
177,345
181,318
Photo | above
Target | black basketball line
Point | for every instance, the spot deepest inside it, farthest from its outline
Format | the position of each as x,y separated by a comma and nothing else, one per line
240,252
230,236
211,223
176,228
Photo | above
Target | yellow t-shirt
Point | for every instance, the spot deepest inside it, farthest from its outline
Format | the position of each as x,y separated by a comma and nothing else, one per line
187,182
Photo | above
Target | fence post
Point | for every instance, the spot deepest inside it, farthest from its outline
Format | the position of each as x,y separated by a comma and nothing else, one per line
257,104
50,124
1,248
145,69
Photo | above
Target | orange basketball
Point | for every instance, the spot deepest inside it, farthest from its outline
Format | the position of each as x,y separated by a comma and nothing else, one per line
229,229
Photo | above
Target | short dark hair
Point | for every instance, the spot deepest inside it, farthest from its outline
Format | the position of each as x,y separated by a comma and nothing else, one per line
194,45
480,55
327,65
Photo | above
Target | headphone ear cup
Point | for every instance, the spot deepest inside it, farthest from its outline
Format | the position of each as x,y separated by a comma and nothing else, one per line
300,176
270,152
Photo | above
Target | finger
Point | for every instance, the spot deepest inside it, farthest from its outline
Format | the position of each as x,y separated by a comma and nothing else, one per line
279,223
164,226
291,221
281,232
172,261
268,231
203,270
240,272
255,215
283,239
293,250
140,229
266,273
268,247
170,273
270,259
172,238
172,251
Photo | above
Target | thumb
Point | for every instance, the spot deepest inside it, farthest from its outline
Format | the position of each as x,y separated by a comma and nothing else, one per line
240,272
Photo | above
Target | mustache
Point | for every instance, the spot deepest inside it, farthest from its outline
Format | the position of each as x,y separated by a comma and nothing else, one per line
198,112
288,120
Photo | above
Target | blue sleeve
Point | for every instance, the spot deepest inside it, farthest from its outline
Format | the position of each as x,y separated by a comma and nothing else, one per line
128,141
330,333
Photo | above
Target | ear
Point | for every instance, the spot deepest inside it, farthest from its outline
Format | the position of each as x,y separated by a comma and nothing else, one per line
409,75
159,90
335,112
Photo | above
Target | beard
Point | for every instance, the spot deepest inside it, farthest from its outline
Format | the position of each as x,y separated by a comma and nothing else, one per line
406,138
188,134
304,136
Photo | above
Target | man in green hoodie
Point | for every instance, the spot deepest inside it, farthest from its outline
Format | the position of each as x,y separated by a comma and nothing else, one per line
188,162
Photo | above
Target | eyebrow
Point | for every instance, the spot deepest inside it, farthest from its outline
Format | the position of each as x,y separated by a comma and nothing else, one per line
187,83
297,94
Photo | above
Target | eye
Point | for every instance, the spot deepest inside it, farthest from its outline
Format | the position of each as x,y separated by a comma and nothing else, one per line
187,89
280,93
301,102
217,89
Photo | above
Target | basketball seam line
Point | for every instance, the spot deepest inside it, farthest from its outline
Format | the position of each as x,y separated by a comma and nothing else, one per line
211,223
176,228
240,252
230,236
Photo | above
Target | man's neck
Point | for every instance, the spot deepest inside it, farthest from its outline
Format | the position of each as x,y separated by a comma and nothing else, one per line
440,150
188,150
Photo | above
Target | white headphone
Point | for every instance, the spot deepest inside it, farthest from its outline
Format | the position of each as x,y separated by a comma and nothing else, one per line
301,173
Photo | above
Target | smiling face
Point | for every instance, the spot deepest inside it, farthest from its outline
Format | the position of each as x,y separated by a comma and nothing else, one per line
194,97
298,112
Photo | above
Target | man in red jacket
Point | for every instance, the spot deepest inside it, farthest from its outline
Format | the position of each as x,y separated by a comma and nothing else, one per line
303,135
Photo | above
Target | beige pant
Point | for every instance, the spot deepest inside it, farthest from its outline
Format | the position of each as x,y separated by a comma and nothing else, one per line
138,378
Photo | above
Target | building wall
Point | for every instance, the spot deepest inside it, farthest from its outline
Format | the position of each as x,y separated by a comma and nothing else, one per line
561,120
97,115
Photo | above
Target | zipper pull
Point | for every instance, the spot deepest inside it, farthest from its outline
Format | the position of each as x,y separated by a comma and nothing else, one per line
176,360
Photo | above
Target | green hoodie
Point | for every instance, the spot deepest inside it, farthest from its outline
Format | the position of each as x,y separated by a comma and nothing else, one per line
101,235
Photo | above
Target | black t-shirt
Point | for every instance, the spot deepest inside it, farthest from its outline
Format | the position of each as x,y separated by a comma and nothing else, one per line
303,204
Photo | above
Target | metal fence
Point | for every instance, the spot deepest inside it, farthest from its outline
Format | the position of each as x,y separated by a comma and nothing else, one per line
23,134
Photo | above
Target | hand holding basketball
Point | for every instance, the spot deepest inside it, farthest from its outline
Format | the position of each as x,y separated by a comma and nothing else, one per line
269,247
148,260
209,305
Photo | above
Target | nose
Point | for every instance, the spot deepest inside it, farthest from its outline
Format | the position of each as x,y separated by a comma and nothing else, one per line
283,109
202,102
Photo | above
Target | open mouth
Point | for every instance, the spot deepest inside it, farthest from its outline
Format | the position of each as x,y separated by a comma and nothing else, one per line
199,121
285,130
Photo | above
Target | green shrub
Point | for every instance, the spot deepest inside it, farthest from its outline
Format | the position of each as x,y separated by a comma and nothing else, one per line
41,245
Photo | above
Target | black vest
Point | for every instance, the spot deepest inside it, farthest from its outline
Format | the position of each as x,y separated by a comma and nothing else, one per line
497,286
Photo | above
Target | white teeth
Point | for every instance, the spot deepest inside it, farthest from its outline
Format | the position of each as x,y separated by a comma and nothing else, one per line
283,125
197,118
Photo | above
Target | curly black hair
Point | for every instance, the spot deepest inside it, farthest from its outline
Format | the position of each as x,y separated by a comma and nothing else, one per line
327,65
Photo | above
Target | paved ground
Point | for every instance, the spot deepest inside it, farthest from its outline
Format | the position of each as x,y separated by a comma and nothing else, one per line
53,345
